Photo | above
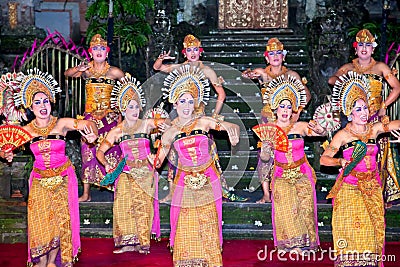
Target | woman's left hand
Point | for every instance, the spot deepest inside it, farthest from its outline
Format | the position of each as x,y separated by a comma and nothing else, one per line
395,133
233,136
316,127
88,133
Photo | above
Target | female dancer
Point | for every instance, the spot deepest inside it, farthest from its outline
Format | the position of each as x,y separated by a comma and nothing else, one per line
275,56
135,210
192,51
375,71
53,209
294,202
358,223
99,78
196,207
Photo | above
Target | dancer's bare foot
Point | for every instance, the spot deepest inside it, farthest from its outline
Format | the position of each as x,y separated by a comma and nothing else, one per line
263,200
84,198
124,249
51,265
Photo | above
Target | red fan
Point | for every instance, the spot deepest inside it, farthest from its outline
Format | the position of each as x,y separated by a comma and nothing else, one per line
274,134
12,136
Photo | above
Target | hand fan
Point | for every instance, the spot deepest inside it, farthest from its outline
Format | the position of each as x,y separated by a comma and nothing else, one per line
112,176
273,134
360,150
12,136
324,116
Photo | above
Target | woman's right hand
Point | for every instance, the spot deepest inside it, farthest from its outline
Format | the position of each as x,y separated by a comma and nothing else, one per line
7,154
165,55
108,168
249,74
82,67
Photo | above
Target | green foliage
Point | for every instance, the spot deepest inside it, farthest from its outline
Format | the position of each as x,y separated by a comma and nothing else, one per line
130,23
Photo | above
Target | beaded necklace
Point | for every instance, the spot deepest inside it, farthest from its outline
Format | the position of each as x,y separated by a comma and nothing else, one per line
363,136
43,131
186,127
97,74
268,70
360,69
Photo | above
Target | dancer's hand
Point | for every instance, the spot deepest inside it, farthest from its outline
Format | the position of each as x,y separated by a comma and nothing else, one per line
165,55
88,134
82,67
162,127
7,154
233,136
395,133
315,127
108,168
249,74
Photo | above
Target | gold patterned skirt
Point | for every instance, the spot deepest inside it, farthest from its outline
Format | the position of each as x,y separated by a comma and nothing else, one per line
49,224
197,241
133,211
358,226
294,213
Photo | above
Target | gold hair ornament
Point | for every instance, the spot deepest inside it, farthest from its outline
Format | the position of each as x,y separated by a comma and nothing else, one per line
282,88
191,41
125,90
347,90
97,40
186,79
34,82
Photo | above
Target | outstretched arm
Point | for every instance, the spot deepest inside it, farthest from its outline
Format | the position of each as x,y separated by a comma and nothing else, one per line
76,71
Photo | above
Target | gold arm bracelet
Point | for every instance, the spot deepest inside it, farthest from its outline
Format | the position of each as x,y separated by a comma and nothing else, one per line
76,122
106,142
385,123
218,126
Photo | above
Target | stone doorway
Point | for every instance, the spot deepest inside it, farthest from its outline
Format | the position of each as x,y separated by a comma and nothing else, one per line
252,14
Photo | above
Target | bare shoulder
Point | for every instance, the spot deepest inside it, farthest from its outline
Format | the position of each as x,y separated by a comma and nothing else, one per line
115,73
293,73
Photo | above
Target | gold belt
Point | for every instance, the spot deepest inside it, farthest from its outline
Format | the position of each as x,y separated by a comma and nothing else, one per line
200,168
137,163
290,165
48,173
369,175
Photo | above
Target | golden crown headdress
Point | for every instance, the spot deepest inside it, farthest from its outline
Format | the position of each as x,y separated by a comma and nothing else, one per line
186,79
97,40
190,41
282,88
34,82
273,45
125,90
348,89
364,36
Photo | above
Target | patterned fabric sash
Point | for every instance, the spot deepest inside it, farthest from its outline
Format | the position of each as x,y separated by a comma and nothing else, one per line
52,172
290,165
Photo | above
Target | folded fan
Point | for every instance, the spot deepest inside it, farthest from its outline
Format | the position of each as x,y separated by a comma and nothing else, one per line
360,150
12,137
112,176
273,134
